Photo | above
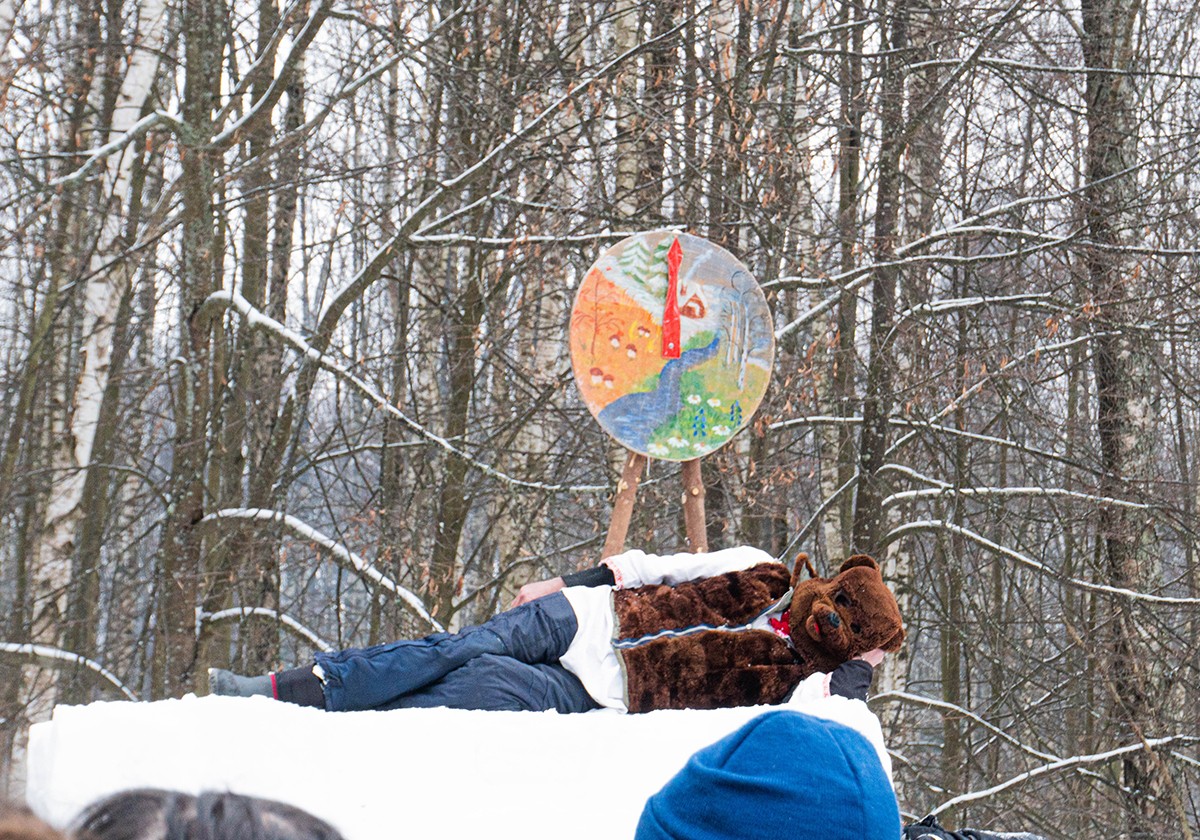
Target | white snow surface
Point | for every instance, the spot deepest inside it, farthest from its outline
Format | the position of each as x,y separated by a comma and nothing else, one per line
379,775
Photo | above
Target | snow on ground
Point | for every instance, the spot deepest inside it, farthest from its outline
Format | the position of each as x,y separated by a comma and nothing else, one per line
378,775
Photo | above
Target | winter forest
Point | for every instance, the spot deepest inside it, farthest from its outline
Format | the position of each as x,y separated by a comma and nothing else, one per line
285,290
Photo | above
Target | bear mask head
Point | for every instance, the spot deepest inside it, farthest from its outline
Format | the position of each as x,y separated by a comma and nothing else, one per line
833,620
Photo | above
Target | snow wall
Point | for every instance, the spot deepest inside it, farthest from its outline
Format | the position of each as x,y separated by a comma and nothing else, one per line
377,775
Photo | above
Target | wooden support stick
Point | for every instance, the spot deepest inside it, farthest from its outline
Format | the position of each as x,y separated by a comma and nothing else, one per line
693,507
635,465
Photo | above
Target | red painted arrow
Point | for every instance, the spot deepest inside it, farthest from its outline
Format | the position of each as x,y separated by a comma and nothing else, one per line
670,321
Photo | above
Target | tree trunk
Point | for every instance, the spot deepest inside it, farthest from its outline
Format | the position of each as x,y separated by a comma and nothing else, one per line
837,457
1125,365
877,397
245,560
107,287
178,585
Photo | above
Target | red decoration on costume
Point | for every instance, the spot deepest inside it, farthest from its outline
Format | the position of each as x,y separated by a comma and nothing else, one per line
781,625
670,322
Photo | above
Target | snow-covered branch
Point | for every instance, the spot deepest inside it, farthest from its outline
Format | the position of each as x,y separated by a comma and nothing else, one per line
345,555
979,492
113,146
909,472
853,279
54,654
351,451
257,318
938,524
1058,69
1034,353
934,307
506,242
268,54
786,554
1062,764
341,299
842,279
266,612
937,428
943,706
282,78
909,253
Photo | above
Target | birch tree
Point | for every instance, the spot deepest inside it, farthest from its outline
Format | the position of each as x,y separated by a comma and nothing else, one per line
106,284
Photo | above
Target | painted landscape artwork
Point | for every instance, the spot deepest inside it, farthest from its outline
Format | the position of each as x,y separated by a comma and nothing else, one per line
672,344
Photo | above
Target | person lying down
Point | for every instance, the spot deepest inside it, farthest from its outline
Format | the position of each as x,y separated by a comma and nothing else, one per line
635,634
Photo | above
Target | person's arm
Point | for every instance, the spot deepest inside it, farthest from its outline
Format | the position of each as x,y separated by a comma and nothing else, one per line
636,568
598,576
852,679
537,589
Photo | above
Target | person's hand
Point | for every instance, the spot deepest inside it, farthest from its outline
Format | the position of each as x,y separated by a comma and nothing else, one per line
537,589
872,657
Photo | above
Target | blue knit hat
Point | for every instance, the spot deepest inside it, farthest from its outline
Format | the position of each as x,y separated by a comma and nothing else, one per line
782,776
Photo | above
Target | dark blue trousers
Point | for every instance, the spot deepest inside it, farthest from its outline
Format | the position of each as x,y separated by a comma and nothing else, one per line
510,662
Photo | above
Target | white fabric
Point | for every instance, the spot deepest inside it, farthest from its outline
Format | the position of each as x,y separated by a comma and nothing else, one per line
403,773
590,656
637,568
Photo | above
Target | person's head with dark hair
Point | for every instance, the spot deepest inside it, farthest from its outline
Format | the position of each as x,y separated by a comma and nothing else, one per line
18,823
163,815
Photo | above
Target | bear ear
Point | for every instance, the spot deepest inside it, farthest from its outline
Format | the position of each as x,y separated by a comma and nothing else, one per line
859,560
802,563
893,644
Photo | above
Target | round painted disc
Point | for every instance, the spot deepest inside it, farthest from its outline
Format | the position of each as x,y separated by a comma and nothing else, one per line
671,379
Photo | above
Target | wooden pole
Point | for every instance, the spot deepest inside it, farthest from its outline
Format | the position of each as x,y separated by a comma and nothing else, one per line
635,465
693,507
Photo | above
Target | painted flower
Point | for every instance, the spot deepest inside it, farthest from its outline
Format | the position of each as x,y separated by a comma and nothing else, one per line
720,430
714,402
677,442
657,449
700,445
694,399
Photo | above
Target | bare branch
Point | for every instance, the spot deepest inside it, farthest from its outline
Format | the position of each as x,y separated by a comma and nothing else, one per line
232,300
54,654
938,524
1063,764
339,551
266,612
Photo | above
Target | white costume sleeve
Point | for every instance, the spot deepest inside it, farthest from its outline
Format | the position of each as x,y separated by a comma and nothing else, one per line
636,568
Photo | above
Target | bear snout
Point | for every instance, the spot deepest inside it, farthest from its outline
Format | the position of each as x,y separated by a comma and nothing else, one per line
822,622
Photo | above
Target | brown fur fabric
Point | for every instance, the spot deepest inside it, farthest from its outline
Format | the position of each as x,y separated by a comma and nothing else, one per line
731,598
832,620
710,670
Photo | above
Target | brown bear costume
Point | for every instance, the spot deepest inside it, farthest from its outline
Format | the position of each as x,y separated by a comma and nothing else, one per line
703,657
